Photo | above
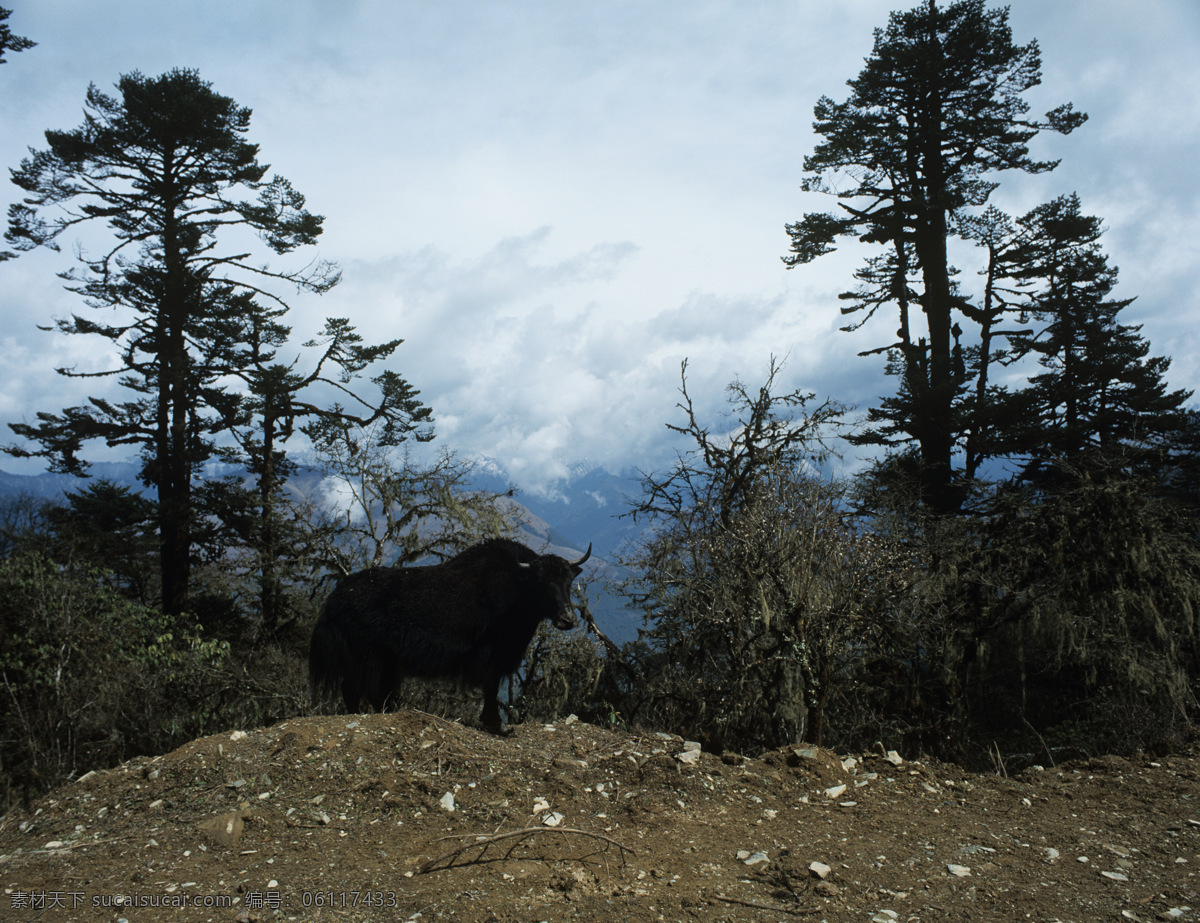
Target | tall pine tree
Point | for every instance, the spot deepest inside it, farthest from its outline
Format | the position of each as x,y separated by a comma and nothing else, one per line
188,307
936,113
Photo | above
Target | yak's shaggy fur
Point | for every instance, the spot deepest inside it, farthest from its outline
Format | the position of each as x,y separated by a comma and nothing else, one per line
470,618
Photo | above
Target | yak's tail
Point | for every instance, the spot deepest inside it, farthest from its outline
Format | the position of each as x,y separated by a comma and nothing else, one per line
326,659
347,658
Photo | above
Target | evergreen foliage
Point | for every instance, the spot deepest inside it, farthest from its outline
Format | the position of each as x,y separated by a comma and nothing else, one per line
1099,389
165,166
112,528
8,41
937,112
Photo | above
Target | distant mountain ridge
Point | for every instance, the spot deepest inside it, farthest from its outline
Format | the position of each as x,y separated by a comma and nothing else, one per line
585,508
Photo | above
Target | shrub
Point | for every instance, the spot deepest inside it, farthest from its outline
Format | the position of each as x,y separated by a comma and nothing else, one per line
89,677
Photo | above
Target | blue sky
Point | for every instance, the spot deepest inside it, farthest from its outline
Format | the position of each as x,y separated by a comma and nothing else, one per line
554,203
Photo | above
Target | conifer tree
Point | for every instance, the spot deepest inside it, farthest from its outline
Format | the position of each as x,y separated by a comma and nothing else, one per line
935,115
187,307
1099,390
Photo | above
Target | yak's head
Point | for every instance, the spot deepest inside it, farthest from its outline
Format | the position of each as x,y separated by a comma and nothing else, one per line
557,575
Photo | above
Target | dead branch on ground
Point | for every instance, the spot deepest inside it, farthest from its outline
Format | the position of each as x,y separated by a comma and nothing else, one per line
516,837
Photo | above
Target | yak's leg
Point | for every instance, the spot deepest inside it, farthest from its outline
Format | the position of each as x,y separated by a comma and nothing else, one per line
384,686
491,705
350,695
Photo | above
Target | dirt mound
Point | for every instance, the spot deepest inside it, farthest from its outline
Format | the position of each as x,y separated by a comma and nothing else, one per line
405,817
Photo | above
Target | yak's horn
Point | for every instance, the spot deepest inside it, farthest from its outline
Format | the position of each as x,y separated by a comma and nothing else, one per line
587,554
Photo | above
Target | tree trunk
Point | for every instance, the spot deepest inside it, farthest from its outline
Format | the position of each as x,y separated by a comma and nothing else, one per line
174,470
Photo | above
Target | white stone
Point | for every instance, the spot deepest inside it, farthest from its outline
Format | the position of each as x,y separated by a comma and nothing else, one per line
819,869
834,791
958,871
447,801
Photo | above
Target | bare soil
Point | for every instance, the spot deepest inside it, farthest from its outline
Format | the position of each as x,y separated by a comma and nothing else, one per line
408,817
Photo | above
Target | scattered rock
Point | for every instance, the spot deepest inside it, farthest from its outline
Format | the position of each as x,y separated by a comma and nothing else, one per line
819,870
958,871
833,792
224,830
447,802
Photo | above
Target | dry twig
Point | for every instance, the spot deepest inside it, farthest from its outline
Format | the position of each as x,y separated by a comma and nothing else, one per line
794,911
516,836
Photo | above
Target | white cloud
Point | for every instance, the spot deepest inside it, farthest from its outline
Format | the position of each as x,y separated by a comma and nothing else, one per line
555,203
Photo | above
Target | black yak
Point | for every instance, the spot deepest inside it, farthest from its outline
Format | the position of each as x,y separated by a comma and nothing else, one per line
469,618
